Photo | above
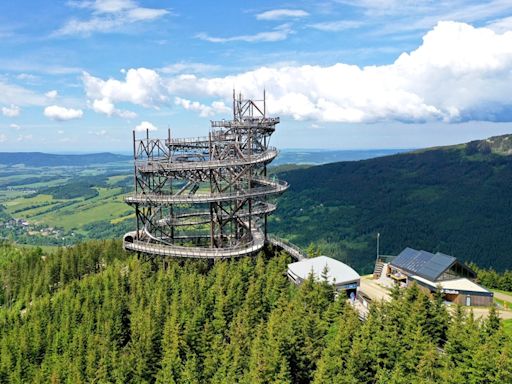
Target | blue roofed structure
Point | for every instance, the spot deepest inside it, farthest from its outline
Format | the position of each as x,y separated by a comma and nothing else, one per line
434,267
438,271
425,264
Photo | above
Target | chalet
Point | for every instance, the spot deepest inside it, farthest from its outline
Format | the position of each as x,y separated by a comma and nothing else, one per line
432,271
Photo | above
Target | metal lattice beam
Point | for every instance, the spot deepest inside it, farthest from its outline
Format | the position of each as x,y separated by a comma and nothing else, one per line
206,197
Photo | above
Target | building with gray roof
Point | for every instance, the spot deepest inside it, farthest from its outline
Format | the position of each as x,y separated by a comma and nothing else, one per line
438,271
337,273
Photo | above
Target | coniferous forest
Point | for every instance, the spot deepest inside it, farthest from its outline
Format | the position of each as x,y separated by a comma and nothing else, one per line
92,313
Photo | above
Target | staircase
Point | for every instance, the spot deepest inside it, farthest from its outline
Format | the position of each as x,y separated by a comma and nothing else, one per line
378,269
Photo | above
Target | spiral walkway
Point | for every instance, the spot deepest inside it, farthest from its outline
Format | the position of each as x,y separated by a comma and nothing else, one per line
206,197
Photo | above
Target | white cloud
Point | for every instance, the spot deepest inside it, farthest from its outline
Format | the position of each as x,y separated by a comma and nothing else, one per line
204,110
501,25
3,138
11,111
58,113
107,16
51,94
277,14
106,107
278,34
145,125
141,87
14,94
459,73
336,26
15,126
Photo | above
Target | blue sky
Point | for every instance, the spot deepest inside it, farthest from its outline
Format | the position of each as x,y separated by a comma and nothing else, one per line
81,75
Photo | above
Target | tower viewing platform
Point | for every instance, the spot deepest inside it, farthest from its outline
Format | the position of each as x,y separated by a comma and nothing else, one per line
206,197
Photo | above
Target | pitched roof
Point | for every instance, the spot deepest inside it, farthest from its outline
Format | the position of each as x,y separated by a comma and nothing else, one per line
423,263
461,284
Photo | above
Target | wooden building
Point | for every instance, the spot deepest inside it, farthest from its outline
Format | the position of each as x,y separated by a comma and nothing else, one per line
432,271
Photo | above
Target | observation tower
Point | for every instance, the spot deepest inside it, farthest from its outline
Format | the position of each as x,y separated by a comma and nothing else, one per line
206,197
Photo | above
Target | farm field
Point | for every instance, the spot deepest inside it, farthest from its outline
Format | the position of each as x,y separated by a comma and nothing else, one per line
63,204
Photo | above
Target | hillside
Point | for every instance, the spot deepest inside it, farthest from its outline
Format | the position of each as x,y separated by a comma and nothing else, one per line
455,200
39,159
92,313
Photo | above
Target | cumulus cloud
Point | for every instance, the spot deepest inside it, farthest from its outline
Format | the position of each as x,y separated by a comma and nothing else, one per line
58,113
107,16
204,110
458,73
279,33
3,138
11,111
145,125
501,25
52,94
106,107
276,14
15,126
141,86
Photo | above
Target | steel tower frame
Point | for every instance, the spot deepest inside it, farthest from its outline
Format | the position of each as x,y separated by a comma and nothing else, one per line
206,197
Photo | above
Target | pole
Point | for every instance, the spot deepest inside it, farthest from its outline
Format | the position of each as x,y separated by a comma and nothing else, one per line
378,238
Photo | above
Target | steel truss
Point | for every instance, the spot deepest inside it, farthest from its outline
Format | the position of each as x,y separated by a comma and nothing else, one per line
206,197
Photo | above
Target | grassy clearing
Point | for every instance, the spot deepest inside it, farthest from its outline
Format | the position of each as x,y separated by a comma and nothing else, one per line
108,205
73,218
504,301
114,179
121,219
504,304
504,292
43,184
45,248
25,203
7,196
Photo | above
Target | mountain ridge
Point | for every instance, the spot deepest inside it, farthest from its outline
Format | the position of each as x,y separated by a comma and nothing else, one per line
455,200
41,159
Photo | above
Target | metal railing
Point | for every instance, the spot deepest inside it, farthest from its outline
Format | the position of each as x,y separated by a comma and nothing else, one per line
163,164
271,187
295,251
184,219
257,243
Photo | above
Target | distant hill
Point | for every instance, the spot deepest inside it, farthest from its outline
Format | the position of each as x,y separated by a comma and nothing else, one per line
286,156
322,156
39,159
457,200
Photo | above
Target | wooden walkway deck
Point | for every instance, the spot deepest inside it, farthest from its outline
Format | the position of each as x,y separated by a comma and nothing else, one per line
295,251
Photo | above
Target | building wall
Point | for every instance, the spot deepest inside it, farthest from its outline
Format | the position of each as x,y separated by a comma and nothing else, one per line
459,298
485,301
